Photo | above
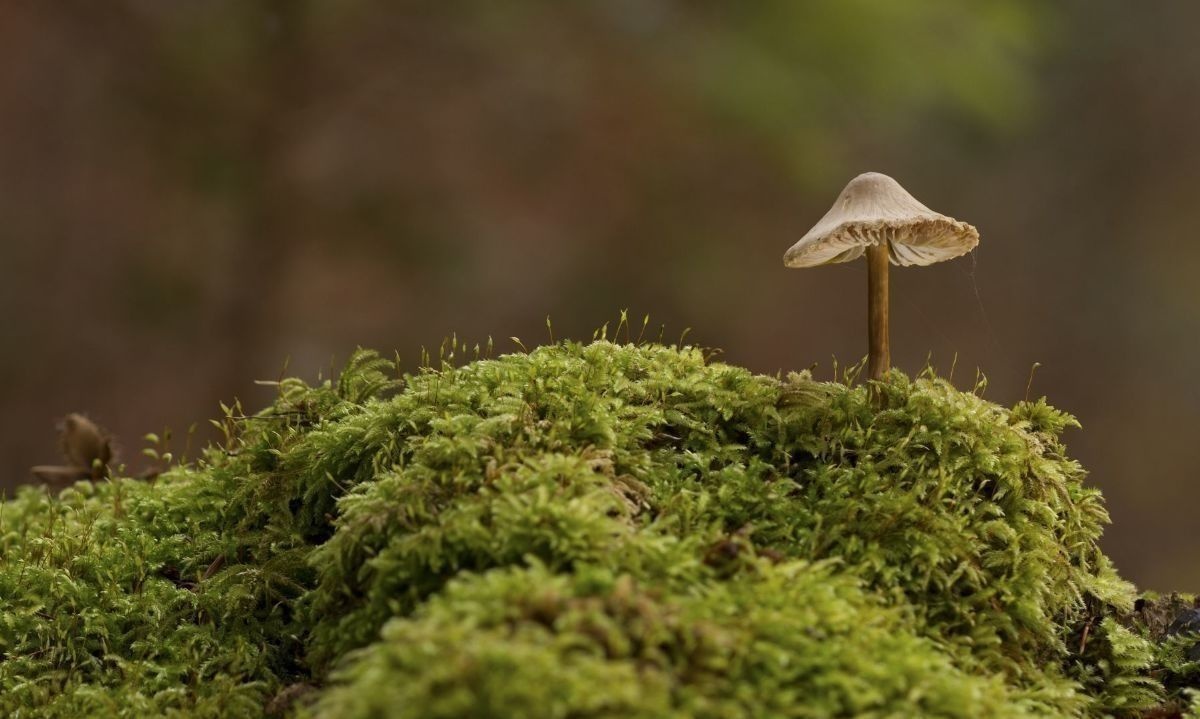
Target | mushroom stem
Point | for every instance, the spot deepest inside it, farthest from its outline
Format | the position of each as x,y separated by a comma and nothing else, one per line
879,357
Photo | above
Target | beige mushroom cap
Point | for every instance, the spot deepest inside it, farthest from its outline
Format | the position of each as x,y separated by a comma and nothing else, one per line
874,208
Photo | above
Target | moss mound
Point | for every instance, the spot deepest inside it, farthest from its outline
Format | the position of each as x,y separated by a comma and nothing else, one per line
584,531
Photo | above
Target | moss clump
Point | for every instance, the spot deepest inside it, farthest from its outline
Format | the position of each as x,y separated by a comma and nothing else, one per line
584,530
790,639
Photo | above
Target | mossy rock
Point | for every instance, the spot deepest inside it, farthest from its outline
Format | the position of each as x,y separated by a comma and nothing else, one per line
587,531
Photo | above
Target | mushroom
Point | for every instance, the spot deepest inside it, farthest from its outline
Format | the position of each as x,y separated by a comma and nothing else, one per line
876,216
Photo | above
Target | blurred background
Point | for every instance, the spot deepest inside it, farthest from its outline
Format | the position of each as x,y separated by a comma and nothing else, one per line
191,192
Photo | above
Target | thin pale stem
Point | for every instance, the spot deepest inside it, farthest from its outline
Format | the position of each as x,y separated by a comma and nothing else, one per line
879,357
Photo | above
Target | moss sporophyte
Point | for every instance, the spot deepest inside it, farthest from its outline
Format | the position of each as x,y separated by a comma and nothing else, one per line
594,530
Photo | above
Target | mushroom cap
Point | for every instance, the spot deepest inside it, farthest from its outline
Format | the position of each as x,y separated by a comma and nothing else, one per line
872,209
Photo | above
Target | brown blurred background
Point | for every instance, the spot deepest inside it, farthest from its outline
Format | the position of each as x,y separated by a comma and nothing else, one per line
192,191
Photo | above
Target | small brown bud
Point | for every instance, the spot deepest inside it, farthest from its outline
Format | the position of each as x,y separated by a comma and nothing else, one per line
85,445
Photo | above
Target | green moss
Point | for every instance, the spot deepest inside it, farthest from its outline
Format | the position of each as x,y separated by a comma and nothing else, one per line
786,640
584,530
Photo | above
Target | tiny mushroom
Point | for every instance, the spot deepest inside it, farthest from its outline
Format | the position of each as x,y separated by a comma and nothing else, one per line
876,216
